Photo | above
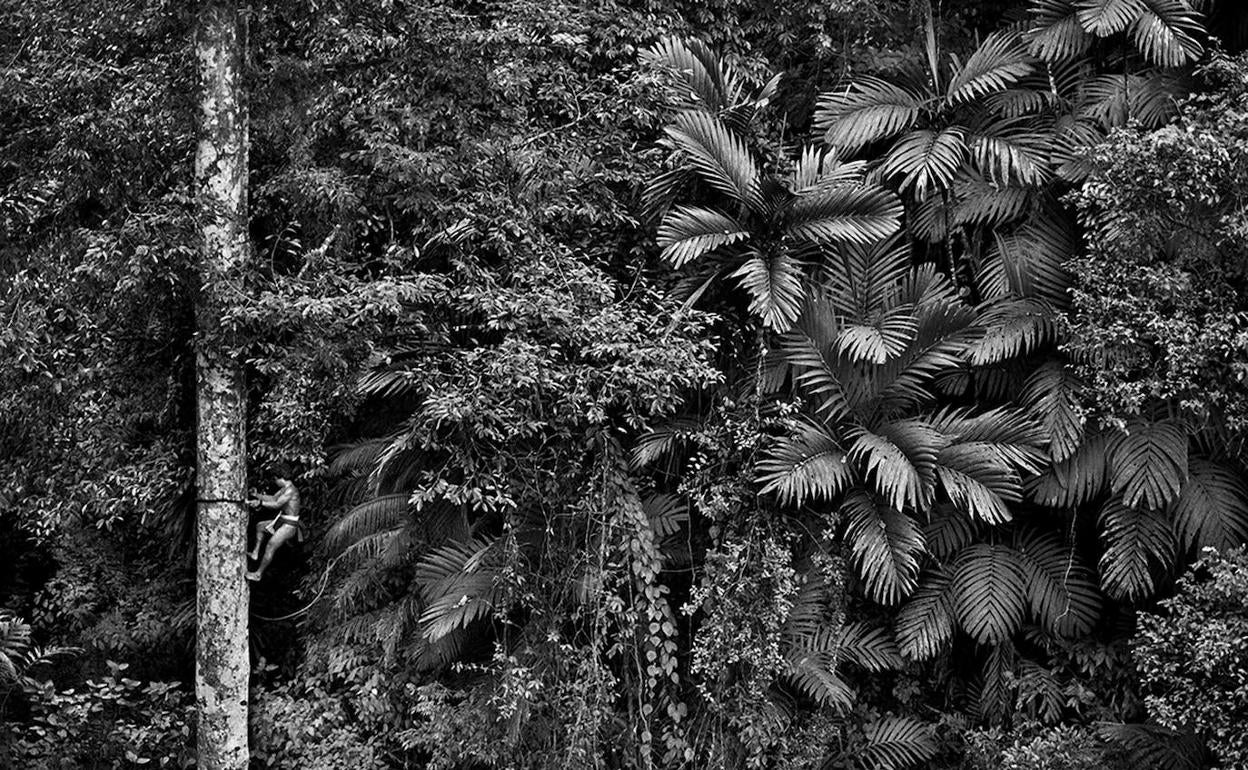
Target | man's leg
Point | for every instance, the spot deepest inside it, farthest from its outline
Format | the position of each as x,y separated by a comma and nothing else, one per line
276,540
254,553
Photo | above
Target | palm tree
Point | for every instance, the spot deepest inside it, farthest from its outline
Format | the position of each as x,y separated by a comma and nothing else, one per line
766,230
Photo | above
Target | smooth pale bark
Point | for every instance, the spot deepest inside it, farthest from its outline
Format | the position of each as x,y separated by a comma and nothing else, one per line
221,664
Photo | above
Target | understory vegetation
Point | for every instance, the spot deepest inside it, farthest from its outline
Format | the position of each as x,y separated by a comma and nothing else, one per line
669,384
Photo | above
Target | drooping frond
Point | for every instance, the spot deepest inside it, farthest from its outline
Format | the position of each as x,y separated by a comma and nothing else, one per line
1011,151
866,111
1061,589
1137,542
1157,747
807,465
903,481
981,202
982,496
719,156
458,584
885,337
926,160
868,646
1012,329
948,531
1167,32
817,168
775,287
989,592
999,61
861,280
712,84
381,514
925,623
1151,98
844,214
1149,465
815,373
688,232
1029,262
1211,510
1081,478
1056,33
666,513
662,441
1051,394
1107,17
886,546
896,743
996,695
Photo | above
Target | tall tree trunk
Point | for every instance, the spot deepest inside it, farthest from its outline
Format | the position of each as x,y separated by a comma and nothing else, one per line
221,664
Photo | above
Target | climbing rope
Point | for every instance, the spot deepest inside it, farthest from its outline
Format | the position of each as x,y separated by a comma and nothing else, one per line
319,593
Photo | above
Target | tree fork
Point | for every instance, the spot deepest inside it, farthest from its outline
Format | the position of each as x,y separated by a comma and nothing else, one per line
221,664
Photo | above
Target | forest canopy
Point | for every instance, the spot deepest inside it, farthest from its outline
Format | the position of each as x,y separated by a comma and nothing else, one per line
665,384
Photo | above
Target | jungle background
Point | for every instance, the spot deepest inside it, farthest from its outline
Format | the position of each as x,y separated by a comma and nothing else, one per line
843,384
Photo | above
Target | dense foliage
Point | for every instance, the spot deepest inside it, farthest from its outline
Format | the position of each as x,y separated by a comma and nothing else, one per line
670,384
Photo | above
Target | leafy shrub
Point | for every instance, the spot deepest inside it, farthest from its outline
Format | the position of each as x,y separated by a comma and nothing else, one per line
1059,748
1191,657
111,722
297,727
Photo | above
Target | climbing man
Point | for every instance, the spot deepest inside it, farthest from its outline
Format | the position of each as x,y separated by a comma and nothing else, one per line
282,528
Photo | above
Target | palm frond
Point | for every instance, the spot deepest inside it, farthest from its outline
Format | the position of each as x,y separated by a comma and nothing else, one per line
886,545
775,287
814,373
381,514
1056,34
1013,328
819,168
666,513
1030,261
989,592
896,743
865,111
1153,746
1107,17
459,584
712,84
1081,478
1011,151
862,280
885,338
806,465
1167,32
1148,466
688,232
719,156
903,479
1211,510
926,160
925,623
948,531
1137,541
999,61
978,201
1061,590
843,214
1051,395
662,441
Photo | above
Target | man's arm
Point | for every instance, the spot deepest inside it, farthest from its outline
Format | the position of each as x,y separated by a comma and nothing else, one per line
277,501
